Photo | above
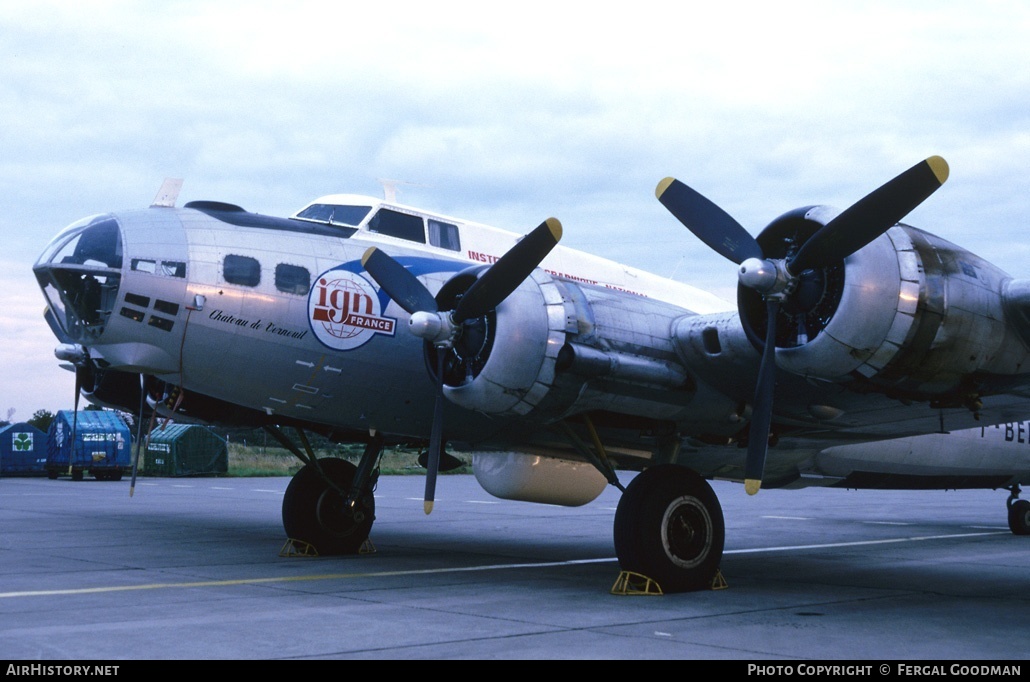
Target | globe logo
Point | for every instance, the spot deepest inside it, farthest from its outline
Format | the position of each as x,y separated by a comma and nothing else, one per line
344,310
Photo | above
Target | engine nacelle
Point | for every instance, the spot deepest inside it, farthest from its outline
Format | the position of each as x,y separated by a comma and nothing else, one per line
910,312
555,348
525,334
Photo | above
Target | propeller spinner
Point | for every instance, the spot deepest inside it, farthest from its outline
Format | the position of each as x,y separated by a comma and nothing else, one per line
777,279
442,328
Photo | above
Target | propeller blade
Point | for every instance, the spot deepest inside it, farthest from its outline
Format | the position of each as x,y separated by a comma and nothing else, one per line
761,414
504,276
871,216
709,223
435,437
398,282
75,418
139,432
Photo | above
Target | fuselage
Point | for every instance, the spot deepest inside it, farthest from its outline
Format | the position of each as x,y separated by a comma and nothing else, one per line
277,315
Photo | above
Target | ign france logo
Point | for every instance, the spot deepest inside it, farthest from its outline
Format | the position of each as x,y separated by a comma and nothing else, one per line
345,312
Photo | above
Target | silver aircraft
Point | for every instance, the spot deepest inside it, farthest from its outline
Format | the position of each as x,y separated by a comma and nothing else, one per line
862,352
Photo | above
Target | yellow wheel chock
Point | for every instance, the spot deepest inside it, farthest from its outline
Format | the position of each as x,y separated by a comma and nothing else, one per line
630,583
297,548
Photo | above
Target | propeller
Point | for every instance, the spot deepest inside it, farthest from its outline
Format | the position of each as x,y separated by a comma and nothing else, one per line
442,328
141,435
777,280
75,418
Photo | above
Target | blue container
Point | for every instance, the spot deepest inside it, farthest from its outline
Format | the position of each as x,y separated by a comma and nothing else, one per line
23,450
97,442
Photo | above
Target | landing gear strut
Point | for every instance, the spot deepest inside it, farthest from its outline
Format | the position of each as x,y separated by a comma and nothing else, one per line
669,527
316,511
1019,512
330,503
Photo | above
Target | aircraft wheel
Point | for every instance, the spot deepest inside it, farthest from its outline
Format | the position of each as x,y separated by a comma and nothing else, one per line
669,527
77,474
1019,517
52,474
314,512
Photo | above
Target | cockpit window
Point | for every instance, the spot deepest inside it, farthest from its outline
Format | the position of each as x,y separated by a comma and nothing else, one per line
334,214
399,225
444,235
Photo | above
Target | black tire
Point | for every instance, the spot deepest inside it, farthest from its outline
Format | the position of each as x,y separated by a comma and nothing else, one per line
669,527
52,474
77,474
1019,517
313,512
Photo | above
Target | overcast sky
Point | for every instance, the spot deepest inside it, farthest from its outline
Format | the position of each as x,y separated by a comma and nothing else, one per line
505,114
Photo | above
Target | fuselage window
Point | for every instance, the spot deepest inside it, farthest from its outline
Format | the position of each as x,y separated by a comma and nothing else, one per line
144,265
166,307
167,268
399,225
173,268
444,235
136,299
292,279
241,270
334,214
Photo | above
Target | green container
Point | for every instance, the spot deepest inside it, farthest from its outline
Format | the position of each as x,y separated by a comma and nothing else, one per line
184,450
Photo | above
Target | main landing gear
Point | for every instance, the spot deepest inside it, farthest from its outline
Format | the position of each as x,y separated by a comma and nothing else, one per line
669,528
1019,512
330,503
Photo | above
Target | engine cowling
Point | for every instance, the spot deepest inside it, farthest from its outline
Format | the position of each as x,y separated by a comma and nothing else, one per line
516,358
555,348
910,312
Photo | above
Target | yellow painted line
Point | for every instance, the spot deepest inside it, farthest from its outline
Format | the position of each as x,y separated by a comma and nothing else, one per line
293,579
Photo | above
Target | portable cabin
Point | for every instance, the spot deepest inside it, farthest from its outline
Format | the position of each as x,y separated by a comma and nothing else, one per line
97,441
22,450
185,450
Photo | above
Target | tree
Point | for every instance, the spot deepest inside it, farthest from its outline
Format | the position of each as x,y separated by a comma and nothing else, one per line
41,420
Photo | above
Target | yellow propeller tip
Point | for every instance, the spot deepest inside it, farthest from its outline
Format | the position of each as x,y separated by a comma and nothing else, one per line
939,167
752,485
367,255
554,225
662,186
427,506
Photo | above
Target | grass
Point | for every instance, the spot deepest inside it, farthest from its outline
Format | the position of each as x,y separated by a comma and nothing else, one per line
251,460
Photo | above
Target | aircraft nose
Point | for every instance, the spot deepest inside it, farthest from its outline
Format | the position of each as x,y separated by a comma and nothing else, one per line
80,272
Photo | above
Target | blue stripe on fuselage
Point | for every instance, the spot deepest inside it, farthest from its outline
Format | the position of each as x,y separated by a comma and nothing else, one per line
418,265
